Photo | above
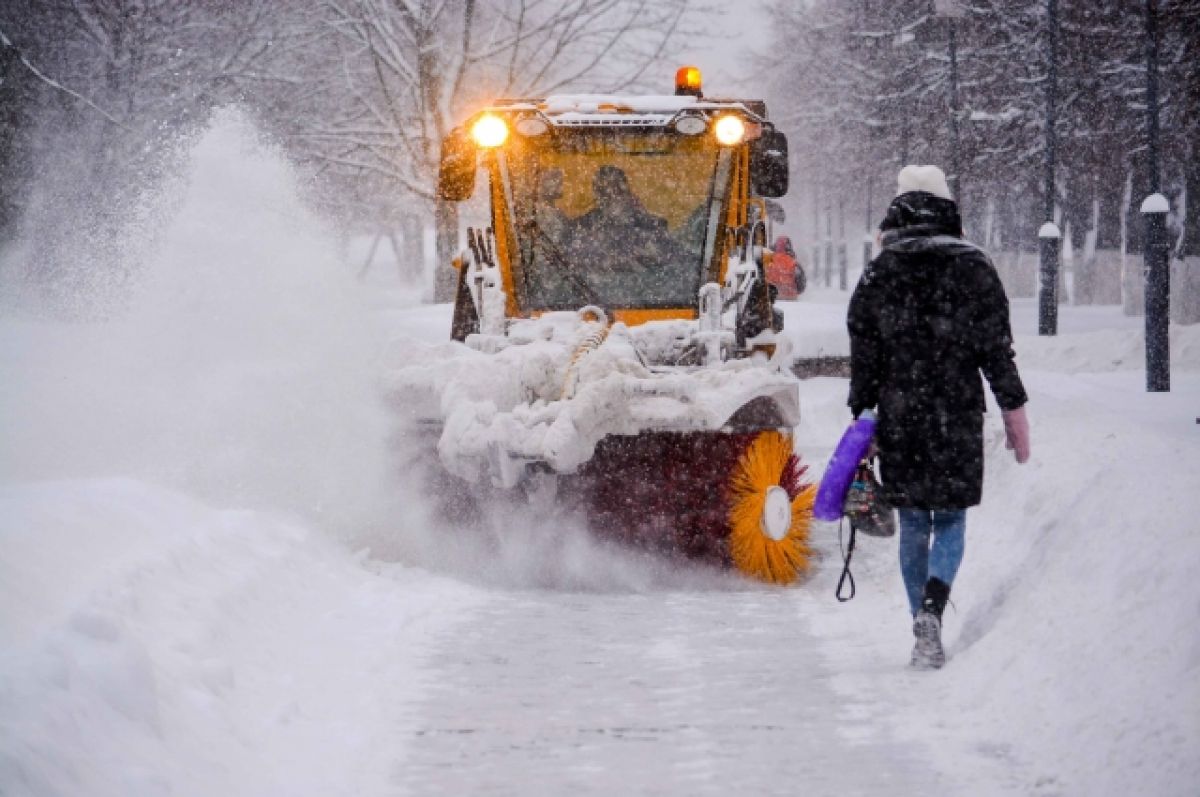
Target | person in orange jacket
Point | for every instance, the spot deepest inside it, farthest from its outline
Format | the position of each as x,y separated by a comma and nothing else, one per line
785,272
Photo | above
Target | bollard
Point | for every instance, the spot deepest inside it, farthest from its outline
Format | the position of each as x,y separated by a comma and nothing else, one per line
843,266
1049,239
1158,294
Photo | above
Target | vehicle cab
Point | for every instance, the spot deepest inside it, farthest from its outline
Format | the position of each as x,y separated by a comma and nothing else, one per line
631,204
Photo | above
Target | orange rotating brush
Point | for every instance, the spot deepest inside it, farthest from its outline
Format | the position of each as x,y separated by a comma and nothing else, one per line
770,510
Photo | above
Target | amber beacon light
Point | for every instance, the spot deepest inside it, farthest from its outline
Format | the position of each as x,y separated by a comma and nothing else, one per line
687,81
489,131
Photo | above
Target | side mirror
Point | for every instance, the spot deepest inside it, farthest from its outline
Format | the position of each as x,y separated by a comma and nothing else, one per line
769,163
456,172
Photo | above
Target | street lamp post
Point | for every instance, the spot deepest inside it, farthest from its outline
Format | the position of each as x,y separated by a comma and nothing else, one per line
1158,294
1156,248
1049,239
1047,311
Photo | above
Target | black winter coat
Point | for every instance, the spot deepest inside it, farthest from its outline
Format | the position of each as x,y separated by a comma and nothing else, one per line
929,314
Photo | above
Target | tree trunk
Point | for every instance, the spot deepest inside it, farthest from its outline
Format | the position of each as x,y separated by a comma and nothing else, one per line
410,258
446,229
1085,256
1132,281
1185,265
1191,220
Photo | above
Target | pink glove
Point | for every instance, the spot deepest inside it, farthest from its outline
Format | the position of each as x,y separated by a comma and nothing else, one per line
1016,433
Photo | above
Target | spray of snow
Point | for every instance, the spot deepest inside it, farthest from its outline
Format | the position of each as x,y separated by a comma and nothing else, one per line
242,370
246,373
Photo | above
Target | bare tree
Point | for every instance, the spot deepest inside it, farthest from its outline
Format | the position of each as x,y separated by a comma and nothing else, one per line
869,80
398,76
111,86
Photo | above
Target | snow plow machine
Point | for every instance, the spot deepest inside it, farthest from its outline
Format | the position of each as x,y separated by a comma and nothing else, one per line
614,339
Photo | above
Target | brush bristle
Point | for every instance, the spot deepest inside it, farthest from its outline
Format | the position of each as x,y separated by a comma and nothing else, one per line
768,462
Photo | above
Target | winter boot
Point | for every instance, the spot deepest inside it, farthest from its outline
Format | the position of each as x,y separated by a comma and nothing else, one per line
927,627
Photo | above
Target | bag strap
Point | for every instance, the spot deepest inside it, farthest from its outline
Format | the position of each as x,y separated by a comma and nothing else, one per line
847,553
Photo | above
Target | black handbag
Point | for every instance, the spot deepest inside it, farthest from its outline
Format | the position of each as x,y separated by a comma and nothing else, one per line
866,508
869,512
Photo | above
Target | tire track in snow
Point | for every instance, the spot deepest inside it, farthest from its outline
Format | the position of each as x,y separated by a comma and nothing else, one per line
690,693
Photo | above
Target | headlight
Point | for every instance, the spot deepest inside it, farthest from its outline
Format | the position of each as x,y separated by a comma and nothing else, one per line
691,125
531,126
489,131
729,130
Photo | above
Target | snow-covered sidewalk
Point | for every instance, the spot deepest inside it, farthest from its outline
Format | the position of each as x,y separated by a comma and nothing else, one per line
665,692
1073,657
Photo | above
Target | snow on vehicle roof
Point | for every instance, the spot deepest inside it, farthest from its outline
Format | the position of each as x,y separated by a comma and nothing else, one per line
564,107
592,103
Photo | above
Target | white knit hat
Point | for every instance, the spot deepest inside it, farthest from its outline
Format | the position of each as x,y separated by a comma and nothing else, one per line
930,179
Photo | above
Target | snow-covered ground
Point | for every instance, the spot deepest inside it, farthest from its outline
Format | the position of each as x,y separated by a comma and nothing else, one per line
156,645
216,577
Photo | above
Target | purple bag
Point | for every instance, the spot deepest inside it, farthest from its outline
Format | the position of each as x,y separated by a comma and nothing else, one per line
831,495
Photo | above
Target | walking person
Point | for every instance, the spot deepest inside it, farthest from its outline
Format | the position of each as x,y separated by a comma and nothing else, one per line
785,271
928,315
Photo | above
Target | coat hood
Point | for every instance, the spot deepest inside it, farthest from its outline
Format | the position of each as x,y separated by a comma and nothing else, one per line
920,214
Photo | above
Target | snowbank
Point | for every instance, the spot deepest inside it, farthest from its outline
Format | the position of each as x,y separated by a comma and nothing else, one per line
176,612
154,645
1106,349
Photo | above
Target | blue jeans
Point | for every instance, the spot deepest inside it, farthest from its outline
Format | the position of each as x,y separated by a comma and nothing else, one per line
931,546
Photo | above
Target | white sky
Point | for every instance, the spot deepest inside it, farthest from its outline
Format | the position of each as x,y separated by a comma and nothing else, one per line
736,32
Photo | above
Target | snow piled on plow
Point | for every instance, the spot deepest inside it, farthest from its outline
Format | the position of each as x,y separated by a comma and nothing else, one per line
555,386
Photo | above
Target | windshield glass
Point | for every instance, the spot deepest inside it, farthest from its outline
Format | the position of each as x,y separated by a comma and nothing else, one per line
612,217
